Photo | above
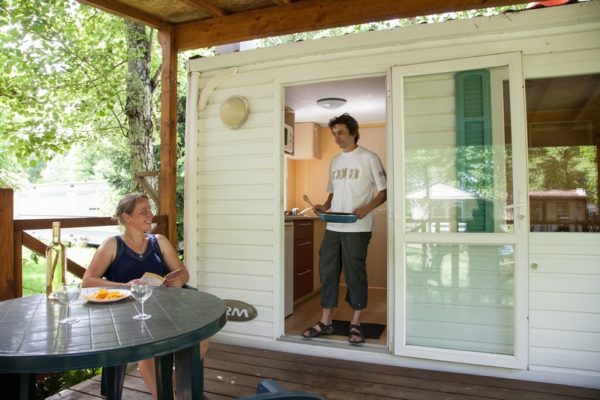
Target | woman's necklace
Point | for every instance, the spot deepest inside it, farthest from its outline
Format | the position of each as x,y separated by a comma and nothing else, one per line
136,247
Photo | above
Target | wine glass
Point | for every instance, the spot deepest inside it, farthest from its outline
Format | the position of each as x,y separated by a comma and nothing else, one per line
67,294
141,292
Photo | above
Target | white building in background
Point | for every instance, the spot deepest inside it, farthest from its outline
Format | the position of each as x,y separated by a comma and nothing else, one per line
68,200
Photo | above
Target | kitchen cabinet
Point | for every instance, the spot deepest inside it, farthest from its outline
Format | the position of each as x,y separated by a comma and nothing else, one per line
307,141
303,258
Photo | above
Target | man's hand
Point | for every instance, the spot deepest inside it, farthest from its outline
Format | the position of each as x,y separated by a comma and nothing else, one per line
378,200
320,208
361,212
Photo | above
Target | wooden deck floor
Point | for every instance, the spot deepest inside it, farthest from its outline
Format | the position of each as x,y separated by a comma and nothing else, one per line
232,371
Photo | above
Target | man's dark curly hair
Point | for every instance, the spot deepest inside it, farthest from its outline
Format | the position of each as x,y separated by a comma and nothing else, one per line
350,123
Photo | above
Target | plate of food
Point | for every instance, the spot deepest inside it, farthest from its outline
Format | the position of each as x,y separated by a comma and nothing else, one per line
103,295
346,218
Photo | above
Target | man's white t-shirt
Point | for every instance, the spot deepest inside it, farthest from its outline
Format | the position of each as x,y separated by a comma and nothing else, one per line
355,178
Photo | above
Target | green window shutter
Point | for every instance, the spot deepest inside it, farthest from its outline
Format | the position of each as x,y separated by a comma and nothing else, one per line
474,146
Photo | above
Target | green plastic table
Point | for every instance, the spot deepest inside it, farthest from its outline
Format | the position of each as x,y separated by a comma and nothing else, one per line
32,340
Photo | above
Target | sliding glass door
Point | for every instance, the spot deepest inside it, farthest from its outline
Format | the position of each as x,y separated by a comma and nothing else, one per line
460,225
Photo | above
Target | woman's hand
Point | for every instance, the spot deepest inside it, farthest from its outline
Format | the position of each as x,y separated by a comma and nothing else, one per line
174,281
136,282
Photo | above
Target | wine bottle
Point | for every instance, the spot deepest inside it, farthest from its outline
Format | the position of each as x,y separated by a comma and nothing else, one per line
56,262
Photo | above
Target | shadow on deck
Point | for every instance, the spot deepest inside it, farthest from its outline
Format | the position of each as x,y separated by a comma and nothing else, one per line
232,371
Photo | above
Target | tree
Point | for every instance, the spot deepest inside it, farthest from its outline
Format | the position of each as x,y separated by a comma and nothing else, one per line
74,75
139,103
564,168
62,77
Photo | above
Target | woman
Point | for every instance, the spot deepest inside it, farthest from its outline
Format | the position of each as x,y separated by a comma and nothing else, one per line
121,260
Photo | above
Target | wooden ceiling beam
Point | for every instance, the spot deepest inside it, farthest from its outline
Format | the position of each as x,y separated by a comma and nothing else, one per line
124,11
310,15
208,7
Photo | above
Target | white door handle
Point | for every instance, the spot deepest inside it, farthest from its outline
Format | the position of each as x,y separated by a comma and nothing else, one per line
517,215
513,206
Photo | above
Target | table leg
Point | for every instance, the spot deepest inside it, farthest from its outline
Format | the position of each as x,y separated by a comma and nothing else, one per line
189,374
163,367
113,381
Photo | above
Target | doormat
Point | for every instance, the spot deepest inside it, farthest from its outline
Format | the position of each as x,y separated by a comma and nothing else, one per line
371,331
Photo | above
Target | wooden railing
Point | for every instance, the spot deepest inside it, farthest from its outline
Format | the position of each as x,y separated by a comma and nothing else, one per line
13,237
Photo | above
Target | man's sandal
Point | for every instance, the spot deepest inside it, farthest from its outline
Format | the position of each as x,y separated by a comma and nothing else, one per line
355,335
323,330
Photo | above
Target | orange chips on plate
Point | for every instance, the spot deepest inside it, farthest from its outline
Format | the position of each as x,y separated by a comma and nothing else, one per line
104,294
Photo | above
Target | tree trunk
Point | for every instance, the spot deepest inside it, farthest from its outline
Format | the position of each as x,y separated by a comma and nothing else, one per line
138,106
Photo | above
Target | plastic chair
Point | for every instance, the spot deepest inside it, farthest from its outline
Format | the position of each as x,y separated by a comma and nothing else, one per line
270,389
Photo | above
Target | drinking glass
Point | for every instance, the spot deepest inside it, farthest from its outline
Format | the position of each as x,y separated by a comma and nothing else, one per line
141,292
67,294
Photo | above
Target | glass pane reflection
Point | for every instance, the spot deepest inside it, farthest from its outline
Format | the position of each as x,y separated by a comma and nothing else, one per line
460,297
458,163
563,117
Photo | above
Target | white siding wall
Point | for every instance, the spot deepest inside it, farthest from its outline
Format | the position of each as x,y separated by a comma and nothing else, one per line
237,208
235,204
565,302
430,116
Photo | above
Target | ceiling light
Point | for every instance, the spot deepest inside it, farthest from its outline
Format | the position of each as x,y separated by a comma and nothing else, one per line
331,103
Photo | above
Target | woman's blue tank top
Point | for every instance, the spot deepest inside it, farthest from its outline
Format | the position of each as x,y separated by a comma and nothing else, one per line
129,265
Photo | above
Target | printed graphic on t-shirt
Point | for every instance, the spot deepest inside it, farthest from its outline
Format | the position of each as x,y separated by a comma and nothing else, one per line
346,173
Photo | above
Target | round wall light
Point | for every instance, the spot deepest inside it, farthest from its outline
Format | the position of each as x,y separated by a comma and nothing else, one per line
234,111
331,103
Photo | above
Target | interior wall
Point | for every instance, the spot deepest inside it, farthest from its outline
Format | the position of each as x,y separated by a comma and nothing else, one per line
290,184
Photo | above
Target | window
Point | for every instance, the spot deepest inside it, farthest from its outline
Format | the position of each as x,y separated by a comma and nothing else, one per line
563,117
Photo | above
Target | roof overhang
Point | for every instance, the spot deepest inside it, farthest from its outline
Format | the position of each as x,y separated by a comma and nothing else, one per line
206,23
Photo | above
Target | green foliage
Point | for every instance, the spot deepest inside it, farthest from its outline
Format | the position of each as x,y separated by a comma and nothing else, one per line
62,77
54,383
564,168
11,172
34,274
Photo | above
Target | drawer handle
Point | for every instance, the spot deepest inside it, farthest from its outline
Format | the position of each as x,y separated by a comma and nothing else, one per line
303,244
303,223
305,272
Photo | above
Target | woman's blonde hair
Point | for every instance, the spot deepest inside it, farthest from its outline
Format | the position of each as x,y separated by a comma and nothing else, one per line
127,204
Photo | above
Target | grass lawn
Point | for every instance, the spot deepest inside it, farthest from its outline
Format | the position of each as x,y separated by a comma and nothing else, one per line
34,268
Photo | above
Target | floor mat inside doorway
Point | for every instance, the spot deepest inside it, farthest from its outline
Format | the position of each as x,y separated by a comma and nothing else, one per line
371,331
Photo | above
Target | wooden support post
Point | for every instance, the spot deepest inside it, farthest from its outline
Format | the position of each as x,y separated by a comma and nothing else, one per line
7,256
167,185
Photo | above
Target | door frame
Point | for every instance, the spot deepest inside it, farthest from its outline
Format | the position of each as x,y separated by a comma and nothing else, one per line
519,237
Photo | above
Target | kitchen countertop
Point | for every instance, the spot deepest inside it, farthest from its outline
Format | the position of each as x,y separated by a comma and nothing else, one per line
300,217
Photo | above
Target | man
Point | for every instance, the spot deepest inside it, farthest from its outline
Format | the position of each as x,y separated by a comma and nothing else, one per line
356,184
